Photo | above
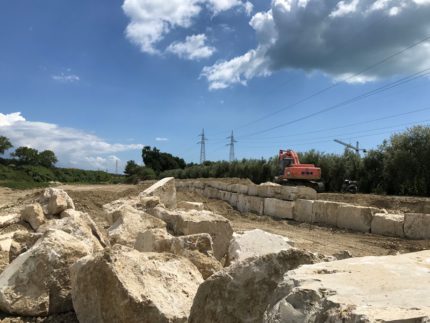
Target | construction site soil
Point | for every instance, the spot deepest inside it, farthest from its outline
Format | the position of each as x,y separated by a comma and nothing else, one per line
325,240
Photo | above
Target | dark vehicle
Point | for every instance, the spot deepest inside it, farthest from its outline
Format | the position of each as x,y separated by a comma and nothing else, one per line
349,186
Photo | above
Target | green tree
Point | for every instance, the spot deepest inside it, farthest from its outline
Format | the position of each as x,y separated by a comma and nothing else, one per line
47,158
160,161
131,168
5,144
26,155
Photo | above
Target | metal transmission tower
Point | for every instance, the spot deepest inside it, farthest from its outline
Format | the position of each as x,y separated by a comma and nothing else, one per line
231,144
202,144
357,148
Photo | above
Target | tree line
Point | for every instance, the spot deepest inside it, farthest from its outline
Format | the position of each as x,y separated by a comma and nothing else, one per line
30,168
399,166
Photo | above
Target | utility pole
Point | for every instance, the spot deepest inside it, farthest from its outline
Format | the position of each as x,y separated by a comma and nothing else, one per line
202,144
231,144
357,148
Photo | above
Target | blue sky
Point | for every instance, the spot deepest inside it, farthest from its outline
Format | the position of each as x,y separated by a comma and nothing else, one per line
95,80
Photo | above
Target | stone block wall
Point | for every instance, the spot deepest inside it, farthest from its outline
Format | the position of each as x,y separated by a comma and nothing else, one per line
300,204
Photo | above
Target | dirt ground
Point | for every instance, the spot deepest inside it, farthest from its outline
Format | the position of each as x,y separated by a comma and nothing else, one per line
324,240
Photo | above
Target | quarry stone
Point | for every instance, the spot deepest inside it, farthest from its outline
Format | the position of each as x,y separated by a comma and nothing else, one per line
388,224
279,208
417,226
254,243
129,222
303,211
79,225
37,282
367,289
326,212
149,202
253,204
126,286
357,218
22,241
193,221
33,214
242,291
54,201
165,189
154,240
269,190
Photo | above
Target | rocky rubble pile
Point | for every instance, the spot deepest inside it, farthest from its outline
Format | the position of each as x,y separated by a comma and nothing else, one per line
167,261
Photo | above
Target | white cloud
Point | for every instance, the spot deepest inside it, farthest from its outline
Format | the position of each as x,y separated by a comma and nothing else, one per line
66,78
151,20
161,139
193,48
339,39
72,146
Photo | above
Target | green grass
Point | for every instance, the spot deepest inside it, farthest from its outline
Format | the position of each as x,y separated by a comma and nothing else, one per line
28,177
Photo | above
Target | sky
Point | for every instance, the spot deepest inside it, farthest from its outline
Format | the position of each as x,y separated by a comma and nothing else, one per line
95,81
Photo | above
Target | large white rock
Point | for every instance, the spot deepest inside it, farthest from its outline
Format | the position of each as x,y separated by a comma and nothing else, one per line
37,282
129,222
113,206
357,218
254,243
79,225
193,221
165,189
242,291
55,200
127,286
417,226
368,289
292,193
388,224
9,219
303,210
33,214
198,248
278,208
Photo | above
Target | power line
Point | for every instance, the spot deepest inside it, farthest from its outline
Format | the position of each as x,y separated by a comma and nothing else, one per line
362,96
368,68
344,126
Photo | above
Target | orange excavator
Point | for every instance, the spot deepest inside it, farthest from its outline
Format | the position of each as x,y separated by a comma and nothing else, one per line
291,172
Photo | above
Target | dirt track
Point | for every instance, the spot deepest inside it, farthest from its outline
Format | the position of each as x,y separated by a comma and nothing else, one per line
90,198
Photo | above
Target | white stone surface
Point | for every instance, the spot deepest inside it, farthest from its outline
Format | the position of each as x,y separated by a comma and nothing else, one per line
388,224
417,226
368,289
278,208
165,189
356,218
123,285
303,210
256,242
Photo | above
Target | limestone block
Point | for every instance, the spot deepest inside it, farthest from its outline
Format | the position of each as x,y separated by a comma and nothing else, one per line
127,286
165,189
303,210
417,226
33,214
254,243
388,224
278,208
357,218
